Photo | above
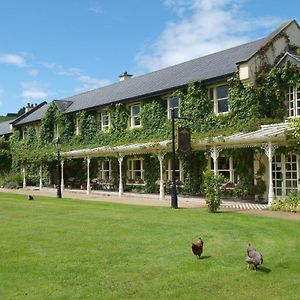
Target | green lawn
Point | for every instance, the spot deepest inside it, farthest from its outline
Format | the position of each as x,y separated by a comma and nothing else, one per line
70,249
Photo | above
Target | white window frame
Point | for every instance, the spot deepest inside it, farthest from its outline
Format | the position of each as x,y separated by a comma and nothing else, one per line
216,100
170,107
56,130
169,170
103,171
230,170
131,171
132,120
77,127
105,114
293,101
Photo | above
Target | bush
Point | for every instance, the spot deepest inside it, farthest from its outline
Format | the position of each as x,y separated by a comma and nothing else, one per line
290,204
11,181
212,189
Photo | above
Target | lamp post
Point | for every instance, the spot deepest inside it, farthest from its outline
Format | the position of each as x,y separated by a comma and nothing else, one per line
174,198
57,142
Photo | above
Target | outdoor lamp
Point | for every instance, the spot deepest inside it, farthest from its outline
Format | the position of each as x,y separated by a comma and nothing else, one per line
58,144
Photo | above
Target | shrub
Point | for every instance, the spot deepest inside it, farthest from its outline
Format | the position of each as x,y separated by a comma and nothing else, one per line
11,181
212,189
290,204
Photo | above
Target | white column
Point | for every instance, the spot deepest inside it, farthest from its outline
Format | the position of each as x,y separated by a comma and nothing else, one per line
269,151
161,183
24,177
88,185
121,189
214,153
41,177
62,175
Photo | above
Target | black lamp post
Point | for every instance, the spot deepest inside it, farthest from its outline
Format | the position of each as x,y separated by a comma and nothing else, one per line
174,199
57,142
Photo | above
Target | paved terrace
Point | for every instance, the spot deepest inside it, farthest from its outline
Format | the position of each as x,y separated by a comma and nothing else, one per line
135,198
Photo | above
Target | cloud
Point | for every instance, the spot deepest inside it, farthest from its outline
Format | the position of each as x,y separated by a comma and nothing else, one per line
96,10
13,59
203,27
90,83
33,72
34,91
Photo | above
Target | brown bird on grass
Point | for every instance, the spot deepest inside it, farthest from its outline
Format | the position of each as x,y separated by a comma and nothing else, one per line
197,248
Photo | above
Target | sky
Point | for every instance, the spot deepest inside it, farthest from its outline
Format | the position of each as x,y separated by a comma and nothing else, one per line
52,49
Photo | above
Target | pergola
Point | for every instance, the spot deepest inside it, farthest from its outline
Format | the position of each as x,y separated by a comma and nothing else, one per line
268,137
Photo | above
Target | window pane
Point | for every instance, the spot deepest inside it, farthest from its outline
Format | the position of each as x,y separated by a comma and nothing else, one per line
222,106
222,91
174,102
136,109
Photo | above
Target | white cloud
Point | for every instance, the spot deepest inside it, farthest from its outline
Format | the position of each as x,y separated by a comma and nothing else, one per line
13,59
203,27
33,72
34,91
90,83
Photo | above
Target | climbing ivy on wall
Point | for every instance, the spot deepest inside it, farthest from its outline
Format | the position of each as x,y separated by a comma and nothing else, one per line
47,125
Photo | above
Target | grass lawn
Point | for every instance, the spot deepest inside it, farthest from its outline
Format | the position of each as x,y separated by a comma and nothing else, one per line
71,249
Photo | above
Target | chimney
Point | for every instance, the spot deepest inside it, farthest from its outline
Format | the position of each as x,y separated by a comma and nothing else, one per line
124,76
28,107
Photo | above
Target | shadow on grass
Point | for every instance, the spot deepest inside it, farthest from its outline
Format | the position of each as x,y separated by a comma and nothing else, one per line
264,270
205,257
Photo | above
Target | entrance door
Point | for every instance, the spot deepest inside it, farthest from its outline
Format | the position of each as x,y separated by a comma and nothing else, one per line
286,174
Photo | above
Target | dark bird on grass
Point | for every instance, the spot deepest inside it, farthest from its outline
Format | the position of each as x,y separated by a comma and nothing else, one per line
30,197
253,257
197,248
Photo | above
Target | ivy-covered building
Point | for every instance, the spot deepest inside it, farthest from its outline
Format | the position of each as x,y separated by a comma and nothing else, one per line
242,105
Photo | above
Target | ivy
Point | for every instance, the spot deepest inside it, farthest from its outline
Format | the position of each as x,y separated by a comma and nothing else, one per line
47,125
151,173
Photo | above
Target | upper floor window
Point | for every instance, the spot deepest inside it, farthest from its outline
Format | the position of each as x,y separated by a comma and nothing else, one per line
293,98
173,103
219,96
105,120
135,119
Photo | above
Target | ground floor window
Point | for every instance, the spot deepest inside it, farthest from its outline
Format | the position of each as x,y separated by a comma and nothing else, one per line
105,169
286,174
178,170
225,168
135,170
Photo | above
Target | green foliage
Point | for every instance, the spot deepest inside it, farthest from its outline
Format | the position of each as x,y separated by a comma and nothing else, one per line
290,204
88,127
11,180
5,156
294,133
212,190
47,125
151,173
119,118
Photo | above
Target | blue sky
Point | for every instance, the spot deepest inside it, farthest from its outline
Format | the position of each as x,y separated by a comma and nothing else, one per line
59,48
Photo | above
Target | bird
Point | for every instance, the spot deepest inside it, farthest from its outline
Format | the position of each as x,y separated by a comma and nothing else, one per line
30,197
253,257
197,248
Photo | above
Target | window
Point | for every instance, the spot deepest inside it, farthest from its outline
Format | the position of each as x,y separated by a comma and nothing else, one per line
105,120
135,169
293,99
219,96
105,169
226,168
56,130
178,170
77,125
173,103
135,119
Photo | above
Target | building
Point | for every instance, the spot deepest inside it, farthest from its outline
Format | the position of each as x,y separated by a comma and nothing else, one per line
118,164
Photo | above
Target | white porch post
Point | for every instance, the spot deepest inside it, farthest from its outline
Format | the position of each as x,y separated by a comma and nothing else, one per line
121,189
88,185
62,175
214,153
269,151
41,177
24,177
161,183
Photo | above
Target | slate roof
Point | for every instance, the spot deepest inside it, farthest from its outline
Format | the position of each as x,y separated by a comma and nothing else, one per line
36,114
211,66
5,128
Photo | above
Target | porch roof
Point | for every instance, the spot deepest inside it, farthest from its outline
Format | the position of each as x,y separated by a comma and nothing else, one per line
275,133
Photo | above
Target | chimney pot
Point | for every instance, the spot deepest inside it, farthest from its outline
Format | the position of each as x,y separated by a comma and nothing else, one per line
124,76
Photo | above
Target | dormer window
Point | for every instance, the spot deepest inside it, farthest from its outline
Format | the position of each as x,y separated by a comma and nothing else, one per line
293,99
105,120
219,96
135,119
173,103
